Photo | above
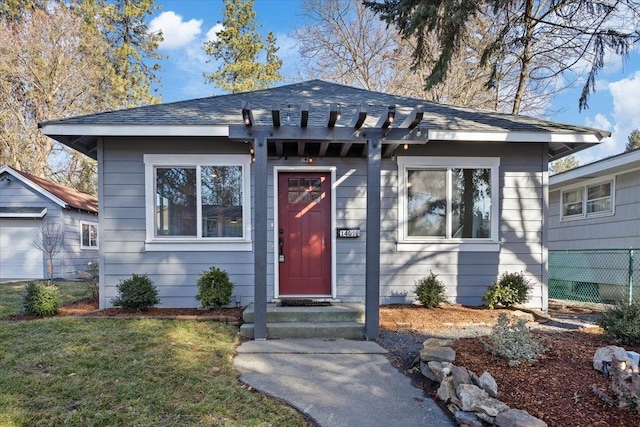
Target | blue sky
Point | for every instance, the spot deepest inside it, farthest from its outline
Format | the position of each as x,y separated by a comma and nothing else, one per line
186,24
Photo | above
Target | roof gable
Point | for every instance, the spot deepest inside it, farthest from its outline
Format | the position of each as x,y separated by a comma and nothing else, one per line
616,164
66,197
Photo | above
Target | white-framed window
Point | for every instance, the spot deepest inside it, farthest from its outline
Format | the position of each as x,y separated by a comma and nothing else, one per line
88,235
198,202
592,199
448,200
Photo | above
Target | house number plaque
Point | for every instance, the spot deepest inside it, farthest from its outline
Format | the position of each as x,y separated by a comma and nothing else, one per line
349,233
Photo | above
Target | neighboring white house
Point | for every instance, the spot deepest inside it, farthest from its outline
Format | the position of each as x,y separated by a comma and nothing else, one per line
596,206
26,203
321,190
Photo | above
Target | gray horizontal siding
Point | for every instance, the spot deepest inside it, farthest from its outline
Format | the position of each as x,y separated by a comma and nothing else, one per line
466,274
620,230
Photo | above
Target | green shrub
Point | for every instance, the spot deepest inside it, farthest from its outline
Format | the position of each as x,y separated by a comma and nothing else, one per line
509,290
513,342
40,299
214,288
622,323
430,291
136,293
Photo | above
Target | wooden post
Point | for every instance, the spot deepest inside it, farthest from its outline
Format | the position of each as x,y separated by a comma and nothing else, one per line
372,274
260,237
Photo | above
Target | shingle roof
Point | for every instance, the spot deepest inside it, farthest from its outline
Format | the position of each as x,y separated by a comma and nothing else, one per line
72,197
318,94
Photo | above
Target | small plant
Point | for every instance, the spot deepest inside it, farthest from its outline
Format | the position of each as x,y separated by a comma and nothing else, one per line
513,342
40,299
622,323
136,293
509,290
214,288
430,291
93,270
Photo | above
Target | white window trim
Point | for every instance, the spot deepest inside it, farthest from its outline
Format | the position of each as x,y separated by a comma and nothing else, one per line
438,244
91,224
583,186
197,243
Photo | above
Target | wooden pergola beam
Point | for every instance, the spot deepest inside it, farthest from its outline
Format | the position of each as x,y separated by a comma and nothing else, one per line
247,114
386,119
304,115
414,118
359,117
275,115
334,115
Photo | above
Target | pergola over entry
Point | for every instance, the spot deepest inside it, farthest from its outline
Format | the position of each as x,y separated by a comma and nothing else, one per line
324,141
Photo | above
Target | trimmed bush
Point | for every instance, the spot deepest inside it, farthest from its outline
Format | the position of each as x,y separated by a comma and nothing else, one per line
137,293
214,288
40,299
622,323
430,291
513,342
509,290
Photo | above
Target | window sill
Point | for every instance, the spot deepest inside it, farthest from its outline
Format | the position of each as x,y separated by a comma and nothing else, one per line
198,246
583,217
448,247
89,248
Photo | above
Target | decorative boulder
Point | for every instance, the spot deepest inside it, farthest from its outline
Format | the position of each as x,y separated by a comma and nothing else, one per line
518,418
606,354
488,384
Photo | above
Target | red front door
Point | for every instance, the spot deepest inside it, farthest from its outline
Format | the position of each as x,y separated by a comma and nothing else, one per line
304,233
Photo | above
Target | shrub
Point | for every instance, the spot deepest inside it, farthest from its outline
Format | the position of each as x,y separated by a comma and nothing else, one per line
430,291
214,288
510,289
93,270
513,342
136,293
622,323
40,299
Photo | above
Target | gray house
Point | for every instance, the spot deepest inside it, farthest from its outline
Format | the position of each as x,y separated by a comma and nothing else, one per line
596,206
26,203
321,191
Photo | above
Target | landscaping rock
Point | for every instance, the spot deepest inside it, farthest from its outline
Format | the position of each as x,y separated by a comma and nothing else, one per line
606,354
440,369
467,419
460,376
488,384
452,408
528,317
438,342
446,390
518,418
489,406
468,395
439,354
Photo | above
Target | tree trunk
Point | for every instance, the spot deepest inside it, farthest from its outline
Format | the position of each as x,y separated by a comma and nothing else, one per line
529,24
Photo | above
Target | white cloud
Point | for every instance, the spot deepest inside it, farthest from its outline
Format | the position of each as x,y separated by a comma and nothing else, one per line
623,119
212,34
176,32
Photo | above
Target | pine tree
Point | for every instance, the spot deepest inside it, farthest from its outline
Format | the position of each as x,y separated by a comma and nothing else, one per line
564,164
238,47
633,140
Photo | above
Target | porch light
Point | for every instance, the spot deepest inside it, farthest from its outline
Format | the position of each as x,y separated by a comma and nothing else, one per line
406,146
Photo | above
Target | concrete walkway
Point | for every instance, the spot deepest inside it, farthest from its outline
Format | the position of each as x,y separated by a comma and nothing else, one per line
337,382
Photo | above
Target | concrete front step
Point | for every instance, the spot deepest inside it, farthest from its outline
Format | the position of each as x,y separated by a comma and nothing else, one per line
340,320
337,312
301,330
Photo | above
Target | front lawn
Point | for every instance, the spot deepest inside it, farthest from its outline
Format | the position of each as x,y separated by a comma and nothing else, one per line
134,372
11,295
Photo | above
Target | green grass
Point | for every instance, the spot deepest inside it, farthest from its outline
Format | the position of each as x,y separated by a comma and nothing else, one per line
11,295
117,372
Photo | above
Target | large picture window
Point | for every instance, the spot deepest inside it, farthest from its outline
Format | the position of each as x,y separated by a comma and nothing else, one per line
588,201
448,199
198,199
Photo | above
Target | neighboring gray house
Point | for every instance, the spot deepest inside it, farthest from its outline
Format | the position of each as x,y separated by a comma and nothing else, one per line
596,206
26,203
320,190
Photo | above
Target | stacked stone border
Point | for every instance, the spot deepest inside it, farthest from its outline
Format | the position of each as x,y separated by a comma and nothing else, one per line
473,400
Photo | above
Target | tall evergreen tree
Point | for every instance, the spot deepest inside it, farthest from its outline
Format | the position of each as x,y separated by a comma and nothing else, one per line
239,48
564,164
633,140
540,41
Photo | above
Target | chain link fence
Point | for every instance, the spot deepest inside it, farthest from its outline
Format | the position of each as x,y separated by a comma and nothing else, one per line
605,276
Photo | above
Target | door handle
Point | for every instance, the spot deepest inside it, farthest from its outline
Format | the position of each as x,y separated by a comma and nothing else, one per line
281,244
